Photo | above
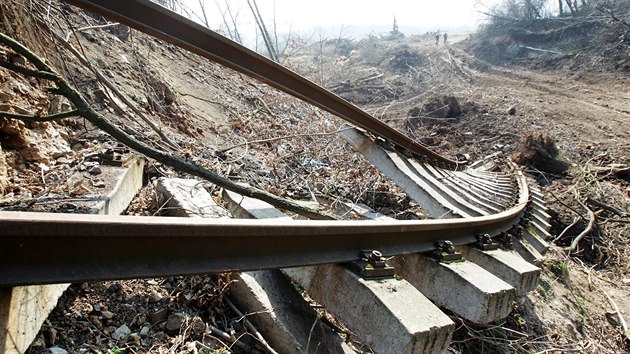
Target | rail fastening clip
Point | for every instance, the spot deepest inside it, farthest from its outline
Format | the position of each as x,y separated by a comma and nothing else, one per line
372,265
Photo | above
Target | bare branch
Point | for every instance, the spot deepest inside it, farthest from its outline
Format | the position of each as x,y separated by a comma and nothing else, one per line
48,118
282,138
83,60
28,72
85,111
589,227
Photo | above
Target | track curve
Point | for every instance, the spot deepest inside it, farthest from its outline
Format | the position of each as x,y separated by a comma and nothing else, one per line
53,248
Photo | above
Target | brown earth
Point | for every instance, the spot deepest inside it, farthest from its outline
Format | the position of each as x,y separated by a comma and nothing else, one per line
444,96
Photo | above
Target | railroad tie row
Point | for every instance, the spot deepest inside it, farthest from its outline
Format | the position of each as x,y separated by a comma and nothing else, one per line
441,192
474,192
388,314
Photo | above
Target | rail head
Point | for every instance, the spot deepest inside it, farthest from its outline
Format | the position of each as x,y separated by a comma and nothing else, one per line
40,248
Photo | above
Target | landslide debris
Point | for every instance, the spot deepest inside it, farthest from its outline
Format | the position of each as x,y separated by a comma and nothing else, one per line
595,38
232,123
540,152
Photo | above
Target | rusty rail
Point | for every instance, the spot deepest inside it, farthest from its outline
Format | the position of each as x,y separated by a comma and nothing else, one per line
39,248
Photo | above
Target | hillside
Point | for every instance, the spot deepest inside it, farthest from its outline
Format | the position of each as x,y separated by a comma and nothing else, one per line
564,117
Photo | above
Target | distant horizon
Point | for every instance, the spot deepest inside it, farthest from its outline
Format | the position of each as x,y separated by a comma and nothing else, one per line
359,32
358,18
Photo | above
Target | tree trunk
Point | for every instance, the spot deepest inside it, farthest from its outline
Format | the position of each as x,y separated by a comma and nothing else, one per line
263,30
237,35
571,8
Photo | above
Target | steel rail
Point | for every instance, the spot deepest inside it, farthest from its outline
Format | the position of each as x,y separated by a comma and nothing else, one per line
158,21
41,248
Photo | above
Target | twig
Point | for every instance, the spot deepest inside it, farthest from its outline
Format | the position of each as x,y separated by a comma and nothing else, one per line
623,221
48,118
251,327
113,88
264,105
310,333
589,227
281,138
28,72
602,205
540,50
622,322
566,229
614,169
85,111
91,27
202,99
226,336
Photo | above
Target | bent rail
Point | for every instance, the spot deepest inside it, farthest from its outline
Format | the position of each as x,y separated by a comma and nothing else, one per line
52,248
158,21
38,248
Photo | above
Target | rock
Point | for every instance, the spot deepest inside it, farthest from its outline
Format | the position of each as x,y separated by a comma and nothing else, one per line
107,314
121,332
428,141
169,95
144,331
5,97
4,178
115,288
159,315
96,170
50,335
198,327
56,350
38,345
22,110
17,59
174,323
20,88
99,184
512,111
96,322
155,296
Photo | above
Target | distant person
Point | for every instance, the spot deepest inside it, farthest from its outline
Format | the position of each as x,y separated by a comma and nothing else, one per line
445,38
437,38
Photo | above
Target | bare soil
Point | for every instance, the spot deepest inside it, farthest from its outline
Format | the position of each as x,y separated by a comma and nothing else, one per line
446,97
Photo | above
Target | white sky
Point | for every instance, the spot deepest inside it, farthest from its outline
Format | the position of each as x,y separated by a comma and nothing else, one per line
413,16
415,13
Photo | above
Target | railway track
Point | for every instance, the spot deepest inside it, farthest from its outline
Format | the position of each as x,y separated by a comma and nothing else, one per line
464,203
469,205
